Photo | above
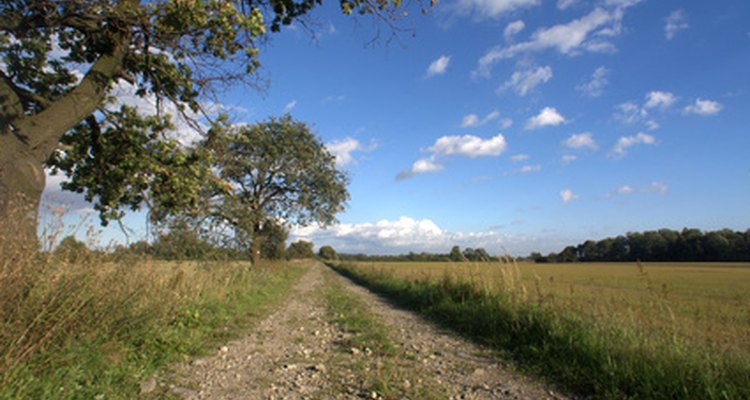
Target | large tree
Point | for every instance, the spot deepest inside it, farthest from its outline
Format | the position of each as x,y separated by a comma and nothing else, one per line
61,59
276,170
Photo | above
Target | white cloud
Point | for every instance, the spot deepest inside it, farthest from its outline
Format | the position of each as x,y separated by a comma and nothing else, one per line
506,123
568,158
703,107
290,106
660,188
342,149
519,157
472,120
580,141
512,29
630,113
625,142
586,33
675,22
659,99
565,4
439,66
469,145
547,117
530,168
421,166
624,189
567,195
595,87
522,82
405,234
490,8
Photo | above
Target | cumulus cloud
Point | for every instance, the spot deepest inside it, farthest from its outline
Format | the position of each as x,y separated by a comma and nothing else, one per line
675,22
522,82
469,146
342,149
405,234
512,29
547,117
588,33
473,120
620,148
489,8
703,107
658,99
595,86
439,66
580,141
567,195
519,157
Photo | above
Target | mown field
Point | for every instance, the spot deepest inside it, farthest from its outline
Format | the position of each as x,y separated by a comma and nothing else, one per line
613,330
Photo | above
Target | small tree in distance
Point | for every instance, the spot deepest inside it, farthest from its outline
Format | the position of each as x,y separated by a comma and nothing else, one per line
327,253
300,249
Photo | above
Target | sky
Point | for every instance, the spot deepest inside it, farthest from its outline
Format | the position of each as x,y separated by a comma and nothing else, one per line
514,125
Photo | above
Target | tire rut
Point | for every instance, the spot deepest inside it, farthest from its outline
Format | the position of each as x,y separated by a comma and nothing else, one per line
299,352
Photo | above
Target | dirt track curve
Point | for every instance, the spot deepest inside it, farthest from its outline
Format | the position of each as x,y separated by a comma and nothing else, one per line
299,352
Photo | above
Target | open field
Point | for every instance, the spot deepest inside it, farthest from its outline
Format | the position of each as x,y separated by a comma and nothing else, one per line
703,303
608,330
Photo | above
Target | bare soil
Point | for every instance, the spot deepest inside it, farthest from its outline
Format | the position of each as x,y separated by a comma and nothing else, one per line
300,352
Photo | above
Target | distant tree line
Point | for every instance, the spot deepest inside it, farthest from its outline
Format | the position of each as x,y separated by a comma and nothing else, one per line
455,255
660,245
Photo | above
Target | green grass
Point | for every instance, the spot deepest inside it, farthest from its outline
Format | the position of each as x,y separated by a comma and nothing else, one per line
384,371
560,339
97,330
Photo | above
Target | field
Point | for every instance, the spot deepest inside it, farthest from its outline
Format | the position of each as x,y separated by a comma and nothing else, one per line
613,330
703,303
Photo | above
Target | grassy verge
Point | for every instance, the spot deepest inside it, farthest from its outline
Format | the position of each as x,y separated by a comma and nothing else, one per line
586,358
89,329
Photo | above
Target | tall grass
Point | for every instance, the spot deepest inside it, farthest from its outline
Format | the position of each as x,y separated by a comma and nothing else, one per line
79,326
585,354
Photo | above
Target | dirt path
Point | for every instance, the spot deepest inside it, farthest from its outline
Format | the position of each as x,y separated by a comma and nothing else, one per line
300,352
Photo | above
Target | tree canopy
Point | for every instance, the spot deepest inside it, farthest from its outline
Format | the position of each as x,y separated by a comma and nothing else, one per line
62,59
276,170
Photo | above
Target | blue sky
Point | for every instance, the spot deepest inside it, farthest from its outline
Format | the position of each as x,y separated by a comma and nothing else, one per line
520,125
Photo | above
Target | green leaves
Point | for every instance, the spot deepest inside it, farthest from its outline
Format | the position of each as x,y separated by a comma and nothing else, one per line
277,170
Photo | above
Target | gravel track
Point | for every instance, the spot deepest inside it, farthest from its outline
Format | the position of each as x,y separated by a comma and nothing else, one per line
300,352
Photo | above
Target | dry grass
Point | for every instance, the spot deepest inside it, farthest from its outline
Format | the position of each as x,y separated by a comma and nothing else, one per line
705,304
65,318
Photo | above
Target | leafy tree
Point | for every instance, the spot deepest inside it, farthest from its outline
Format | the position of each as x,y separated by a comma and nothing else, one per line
273,236
63,58
456,255
71,249
300,249
275,169
327,253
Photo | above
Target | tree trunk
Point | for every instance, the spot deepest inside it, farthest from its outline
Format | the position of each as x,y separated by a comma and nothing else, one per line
255,245
22,181
26,141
